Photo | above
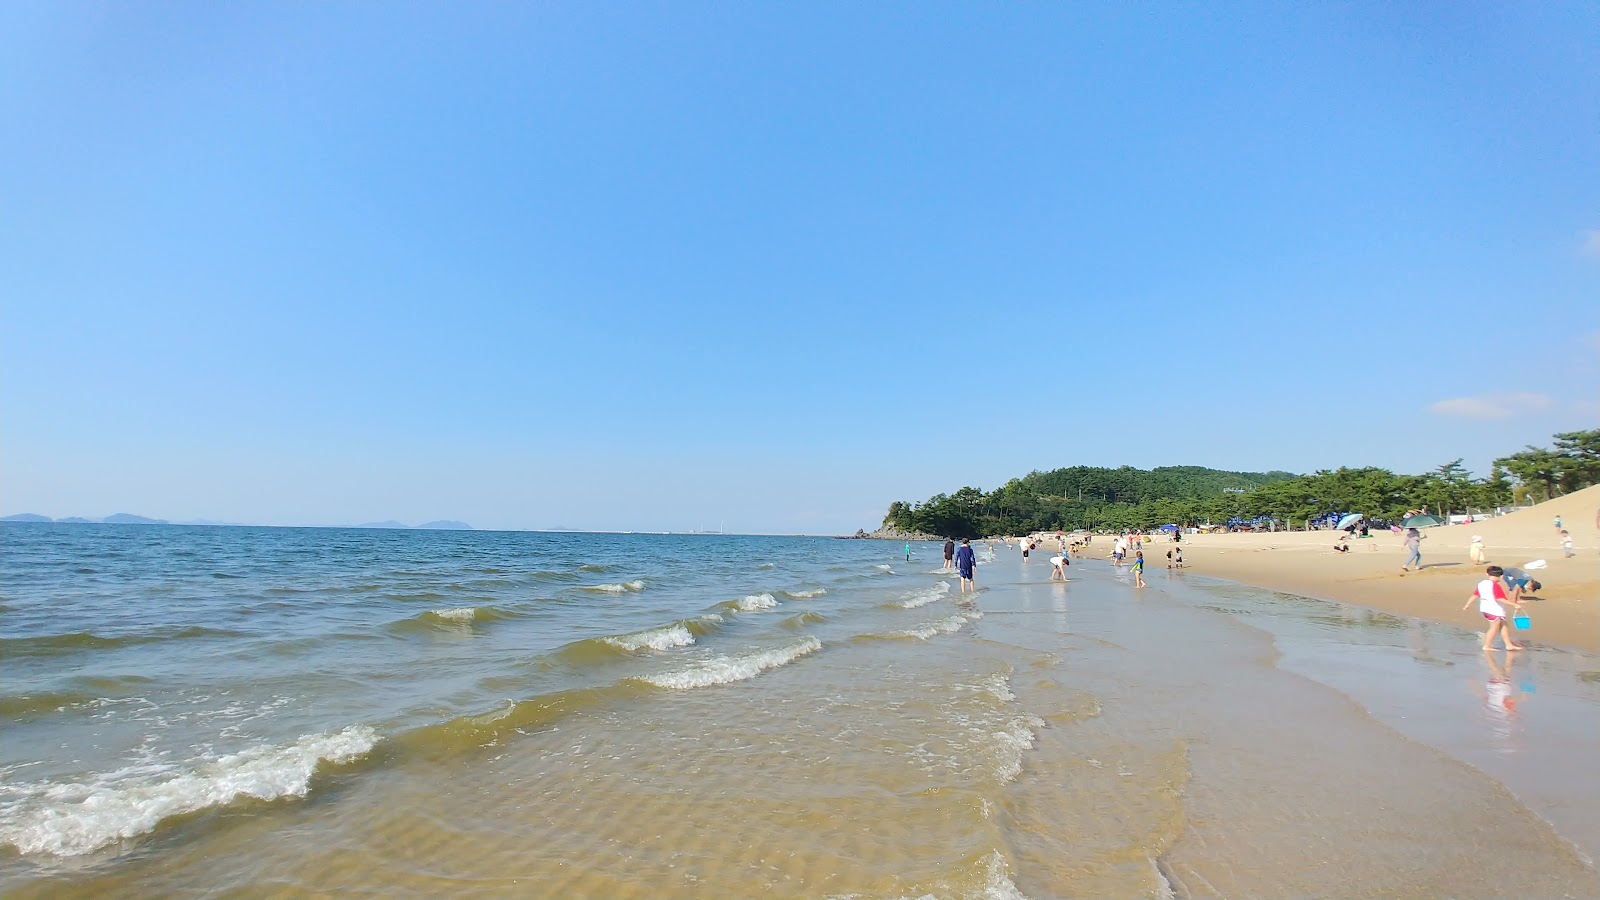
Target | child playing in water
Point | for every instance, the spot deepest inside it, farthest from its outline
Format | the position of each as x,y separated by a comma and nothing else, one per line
1138,569
1489,593
1566,543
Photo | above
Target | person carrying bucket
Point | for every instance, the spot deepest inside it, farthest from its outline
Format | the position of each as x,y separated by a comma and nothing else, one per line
1488,594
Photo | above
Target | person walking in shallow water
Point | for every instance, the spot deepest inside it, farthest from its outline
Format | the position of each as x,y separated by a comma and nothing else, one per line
965,563
1138,569
949,553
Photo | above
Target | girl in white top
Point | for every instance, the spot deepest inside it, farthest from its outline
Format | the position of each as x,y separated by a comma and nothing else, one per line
1488,595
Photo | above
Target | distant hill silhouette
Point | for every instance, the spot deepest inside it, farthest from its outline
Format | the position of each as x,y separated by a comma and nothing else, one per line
131,519
446,525
26,517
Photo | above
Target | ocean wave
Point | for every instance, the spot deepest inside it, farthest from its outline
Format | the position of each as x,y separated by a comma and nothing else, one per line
947,625
801,620
728,669
885,568
924,595
467,733
62,644
546,575
750,603
449,617
421,595
18,706
595,567
600,650
667,637
624,587
77,818
805,594
754,602
764,566
1009,743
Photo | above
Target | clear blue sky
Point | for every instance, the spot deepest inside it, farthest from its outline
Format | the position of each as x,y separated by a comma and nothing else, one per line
669,265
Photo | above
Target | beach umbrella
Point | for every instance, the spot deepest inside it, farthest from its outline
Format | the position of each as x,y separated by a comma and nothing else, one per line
1347,521
1422,521
1169,528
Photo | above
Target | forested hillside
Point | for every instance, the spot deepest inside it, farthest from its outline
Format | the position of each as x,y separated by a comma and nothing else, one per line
1099,498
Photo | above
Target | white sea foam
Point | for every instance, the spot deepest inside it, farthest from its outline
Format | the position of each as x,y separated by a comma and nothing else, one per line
947,625
756,602
728,669
925,595
76,818
998,885
807,594
885,568
620,588
666,637
459,614
1010,743
999,687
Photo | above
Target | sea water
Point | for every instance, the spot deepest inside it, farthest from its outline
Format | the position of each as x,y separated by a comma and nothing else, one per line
298,712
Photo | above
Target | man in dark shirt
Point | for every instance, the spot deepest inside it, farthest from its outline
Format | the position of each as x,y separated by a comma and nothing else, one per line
965,562
949,552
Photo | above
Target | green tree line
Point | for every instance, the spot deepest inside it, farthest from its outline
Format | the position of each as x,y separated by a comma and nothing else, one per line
1113,499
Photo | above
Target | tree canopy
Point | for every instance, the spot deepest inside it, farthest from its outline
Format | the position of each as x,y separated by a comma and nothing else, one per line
1089,497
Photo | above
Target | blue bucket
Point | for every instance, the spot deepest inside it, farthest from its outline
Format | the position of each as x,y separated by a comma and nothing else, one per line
1521,620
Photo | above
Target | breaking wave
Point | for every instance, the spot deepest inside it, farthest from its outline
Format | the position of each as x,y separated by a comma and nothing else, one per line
751,603
665,638
625,587
925,595
73,819
728,669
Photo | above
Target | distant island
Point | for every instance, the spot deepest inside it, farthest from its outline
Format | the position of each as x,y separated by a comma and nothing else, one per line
438,525
131,519
115,519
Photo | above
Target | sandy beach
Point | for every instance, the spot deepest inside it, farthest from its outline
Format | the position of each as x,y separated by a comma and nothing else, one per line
1566,611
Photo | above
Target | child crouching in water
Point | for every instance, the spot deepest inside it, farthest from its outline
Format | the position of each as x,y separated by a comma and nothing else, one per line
1489,593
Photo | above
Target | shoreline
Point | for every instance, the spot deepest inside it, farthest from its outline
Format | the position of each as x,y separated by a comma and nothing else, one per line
1565,612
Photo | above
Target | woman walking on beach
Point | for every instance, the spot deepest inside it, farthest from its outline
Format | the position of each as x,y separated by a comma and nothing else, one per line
1489,593
1413,551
